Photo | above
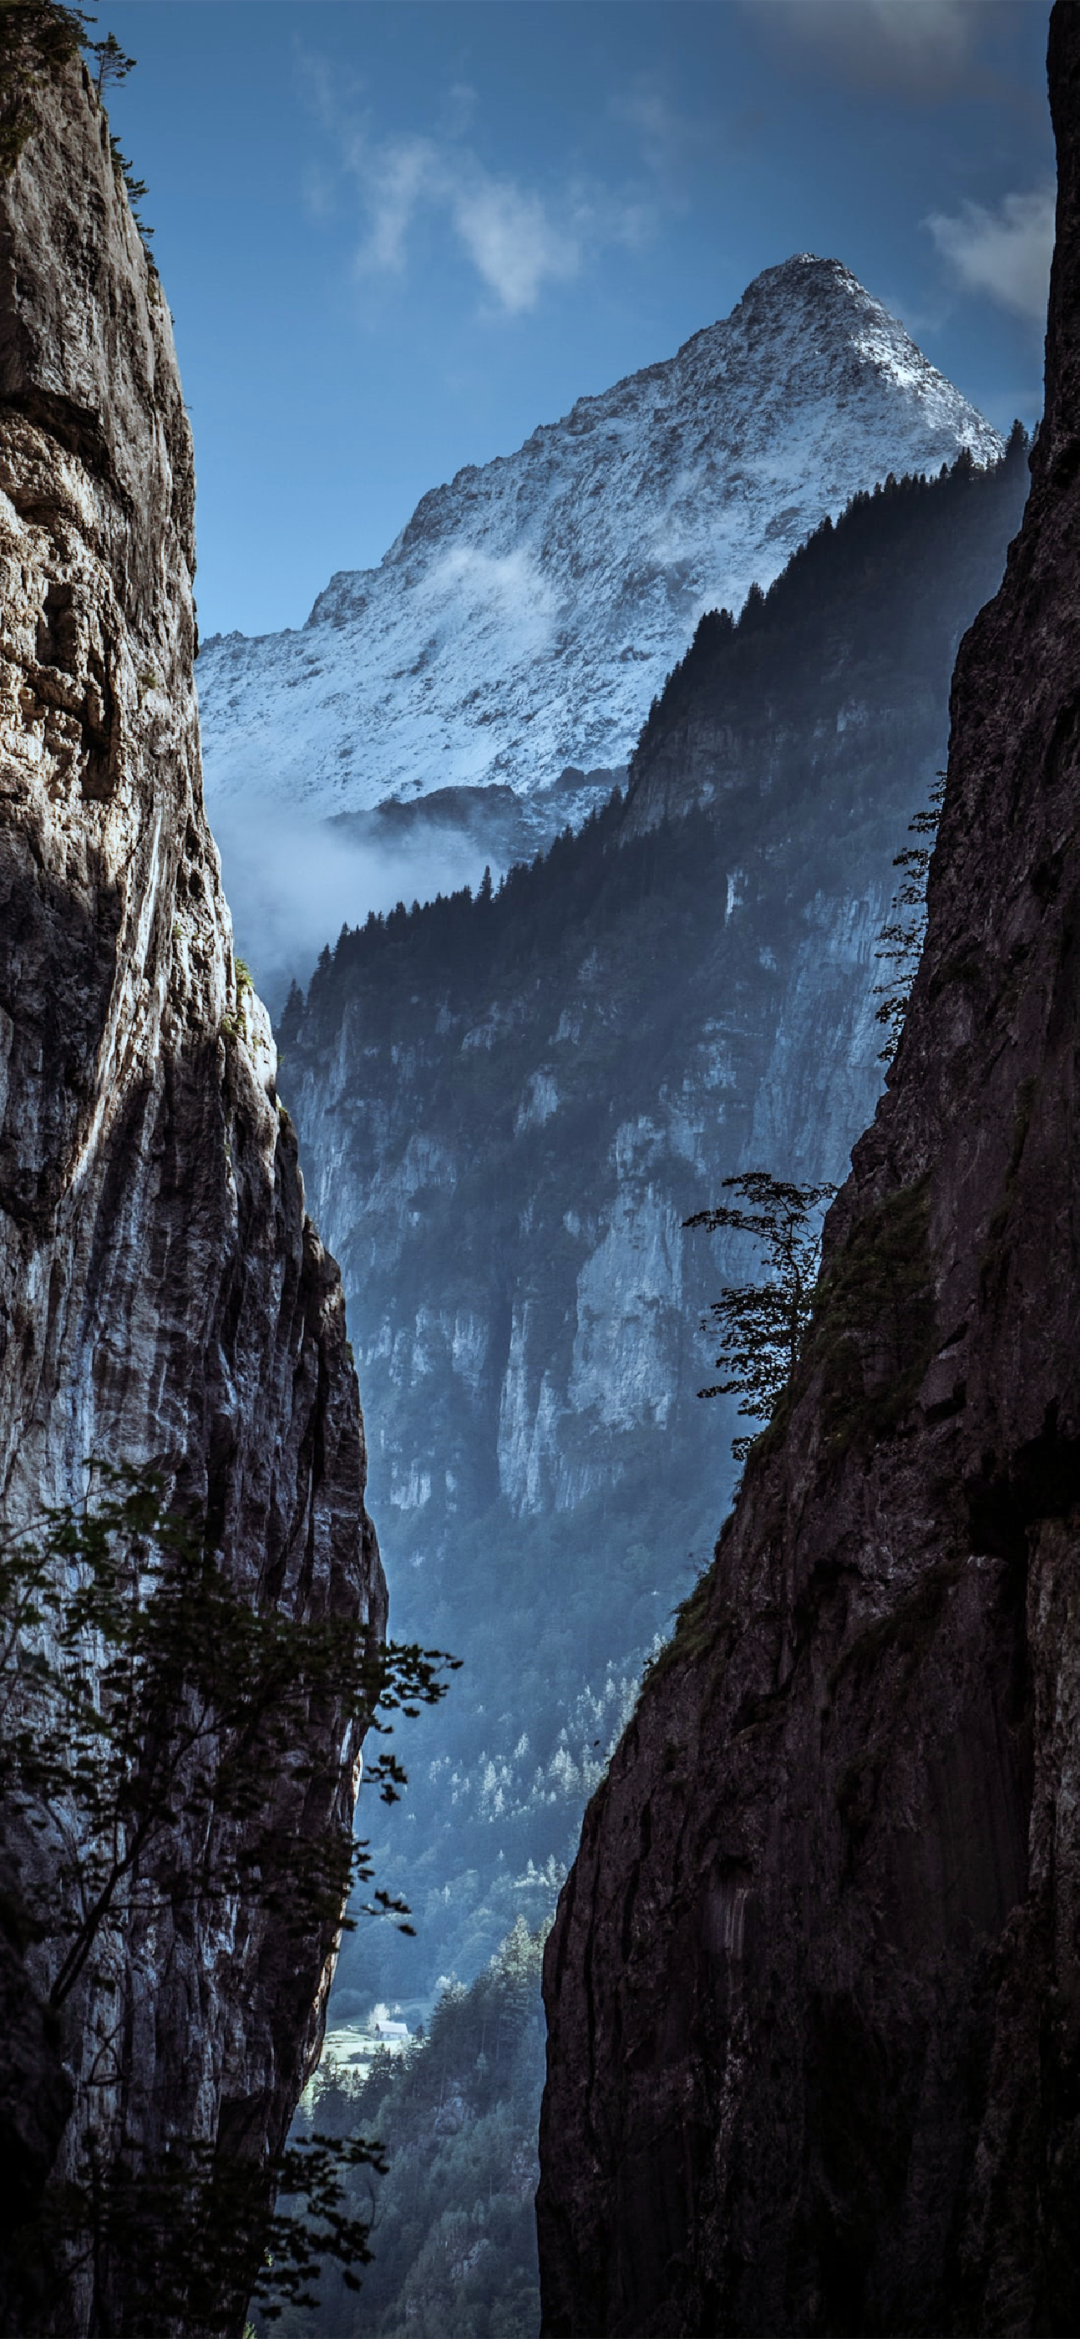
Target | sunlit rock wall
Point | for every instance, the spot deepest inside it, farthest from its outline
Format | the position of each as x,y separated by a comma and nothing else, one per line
163,1296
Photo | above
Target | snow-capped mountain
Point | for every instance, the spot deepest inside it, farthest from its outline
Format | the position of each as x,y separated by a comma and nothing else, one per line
530,610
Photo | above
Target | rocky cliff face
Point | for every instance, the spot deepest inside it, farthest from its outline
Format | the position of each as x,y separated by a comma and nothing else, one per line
509,1106
812,1993
162,1295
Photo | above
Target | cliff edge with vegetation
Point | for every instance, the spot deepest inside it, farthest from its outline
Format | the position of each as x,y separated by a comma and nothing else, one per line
814,1987
163,1298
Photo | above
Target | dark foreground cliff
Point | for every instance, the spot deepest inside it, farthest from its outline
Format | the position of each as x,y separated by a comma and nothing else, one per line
814,1987
163,1297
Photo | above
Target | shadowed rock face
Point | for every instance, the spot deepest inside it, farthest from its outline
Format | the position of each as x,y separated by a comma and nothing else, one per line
814,1987
162,1294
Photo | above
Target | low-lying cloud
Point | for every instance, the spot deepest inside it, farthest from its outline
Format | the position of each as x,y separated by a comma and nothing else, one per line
919,49
1004,251
292,884
508,589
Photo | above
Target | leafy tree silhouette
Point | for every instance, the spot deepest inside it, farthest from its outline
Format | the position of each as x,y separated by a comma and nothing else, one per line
762,1325
146,1699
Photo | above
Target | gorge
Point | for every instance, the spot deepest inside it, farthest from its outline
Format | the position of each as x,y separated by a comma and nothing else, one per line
509,1105
812,1986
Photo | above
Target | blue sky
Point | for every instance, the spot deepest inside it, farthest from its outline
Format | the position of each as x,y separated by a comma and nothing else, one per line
397,234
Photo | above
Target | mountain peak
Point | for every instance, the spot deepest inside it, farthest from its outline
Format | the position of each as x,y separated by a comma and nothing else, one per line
530,609
803,287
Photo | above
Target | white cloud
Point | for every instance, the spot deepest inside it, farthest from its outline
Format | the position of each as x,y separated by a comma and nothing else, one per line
518,239
506,231
1004,252
907,48
458,110
505,596
510,582
396,179
512,243
291,884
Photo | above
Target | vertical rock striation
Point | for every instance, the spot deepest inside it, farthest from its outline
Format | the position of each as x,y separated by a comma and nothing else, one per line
162,1294
814,1986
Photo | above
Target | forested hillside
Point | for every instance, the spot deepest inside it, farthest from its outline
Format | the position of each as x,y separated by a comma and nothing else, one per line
453,2227
509,1104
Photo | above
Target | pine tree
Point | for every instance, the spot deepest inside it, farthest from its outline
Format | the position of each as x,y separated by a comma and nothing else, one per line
902,938
112,64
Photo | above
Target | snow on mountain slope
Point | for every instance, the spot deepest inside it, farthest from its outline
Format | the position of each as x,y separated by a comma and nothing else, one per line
529,612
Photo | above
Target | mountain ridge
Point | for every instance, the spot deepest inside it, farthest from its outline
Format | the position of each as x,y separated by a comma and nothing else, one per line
574,570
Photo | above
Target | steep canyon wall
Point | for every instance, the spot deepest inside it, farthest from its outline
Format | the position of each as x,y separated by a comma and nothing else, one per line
814,2049
163,1297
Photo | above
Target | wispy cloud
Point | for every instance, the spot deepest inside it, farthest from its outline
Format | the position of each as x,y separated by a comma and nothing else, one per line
917,49
510,584
395,178
513,243
459,109
663,134
1004,252
518,238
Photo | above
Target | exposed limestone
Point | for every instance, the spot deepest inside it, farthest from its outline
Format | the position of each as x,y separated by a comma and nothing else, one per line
162,1294
814,1986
